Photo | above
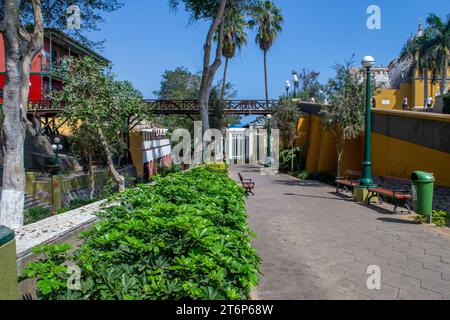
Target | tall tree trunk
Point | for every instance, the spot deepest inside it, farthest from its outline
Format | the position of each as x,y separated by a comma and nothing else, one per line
91,177
20,49
444,74
224,80
293,157
425,86
13,191
120,180
340,147
266,85
210,70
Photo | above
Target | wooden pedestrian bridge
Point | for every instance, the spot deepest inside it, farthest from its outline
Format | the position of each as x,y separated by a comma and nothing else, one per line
46,108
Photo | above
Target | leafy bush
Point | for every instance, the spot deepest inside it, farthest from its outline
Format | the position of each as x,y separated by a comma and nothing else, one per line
303,175
75,204
185,237
440,218
110,186
165,171
291,160
447,104
51,272
36,214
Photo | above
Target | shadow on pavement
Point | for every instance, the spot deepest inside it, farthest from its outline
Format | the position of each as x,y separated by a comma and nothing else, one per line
393,220
381,210
298,183
317,197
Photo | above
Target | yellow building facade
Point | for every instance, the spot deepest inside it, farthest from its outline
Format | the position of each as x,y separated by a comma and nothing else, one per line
405,79
402,142
392,99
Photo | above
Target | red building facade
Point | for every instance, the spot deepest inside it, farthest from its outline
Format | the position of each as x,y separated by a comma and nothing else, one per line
50,63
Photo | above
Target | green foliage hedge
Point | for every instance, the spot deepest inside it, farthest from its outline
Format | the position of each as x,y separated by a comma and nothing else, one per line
447,104
440,218
186,237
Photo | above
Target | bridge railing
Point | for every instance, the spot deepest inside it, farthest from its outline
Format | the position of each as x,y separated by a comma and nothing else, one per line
257,107
229,106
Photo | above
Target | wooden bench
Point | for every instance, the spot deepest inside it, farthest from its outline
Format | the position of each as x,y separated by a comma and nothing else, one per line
248,184
400,195
350,181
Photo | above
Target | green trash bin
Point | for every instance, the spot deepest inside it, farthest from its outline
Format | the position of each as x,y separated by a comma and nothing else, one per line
8,265
423,192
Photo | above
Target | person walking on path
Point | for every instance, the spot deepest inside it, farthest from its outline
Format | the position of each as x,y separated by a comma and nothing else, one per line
405,104
430,103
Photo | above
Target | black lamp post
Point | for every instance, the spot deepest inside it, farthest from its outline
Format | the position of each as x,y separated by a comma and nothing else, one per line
367,182
57,148
269,141
296,81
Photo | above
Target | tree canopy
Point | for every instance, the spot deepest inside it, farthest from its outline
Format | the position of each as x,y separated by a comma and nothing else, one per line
182,84
286,120
267,18
92,97
347,103
207,9
344,118
54,14
310,87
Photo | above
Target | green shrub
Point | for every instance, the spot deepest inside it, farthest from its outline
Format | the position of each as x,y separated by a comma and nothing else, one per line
321,176
51,272
185,237
36,214
111,188
303,175
440,218
447,104
76,204
164,171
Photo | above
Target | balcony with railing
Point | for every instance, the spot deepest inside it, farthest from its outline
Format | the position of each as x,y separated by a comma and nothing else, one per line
58,69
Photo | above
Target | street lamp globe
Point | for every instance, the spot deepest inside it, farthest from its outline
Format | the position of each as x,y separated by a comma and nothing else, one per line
57,140
269,117
287,84
54,147
368,62
60,147
295,78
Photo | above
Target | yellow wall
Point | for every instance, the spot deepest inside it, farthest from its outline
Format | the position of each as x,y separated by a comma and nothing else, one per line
303,129
413,91
394,97
353,155
391,157
136,152
419,93
397,158
312,160
328,153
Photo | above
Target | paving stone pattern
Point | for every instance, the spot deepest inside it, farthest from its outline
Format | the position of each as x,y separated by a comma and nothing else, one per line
315,244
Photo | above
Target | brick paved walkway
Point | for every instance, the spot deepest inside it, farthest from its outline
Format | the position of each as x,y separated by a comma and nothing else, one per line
318,245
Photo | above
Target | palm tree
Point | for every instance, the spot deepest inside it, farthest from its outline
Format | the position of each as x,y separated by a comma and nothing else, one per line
268,18
417,48
426,62
437,47
235,38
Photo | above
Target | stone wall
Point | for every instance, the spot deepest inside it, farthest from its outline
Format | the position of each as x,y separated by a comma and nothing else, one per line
59,191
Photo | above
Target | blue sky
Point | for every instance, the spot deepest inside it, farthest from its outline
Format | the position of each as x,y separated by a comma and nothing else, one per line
145,38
